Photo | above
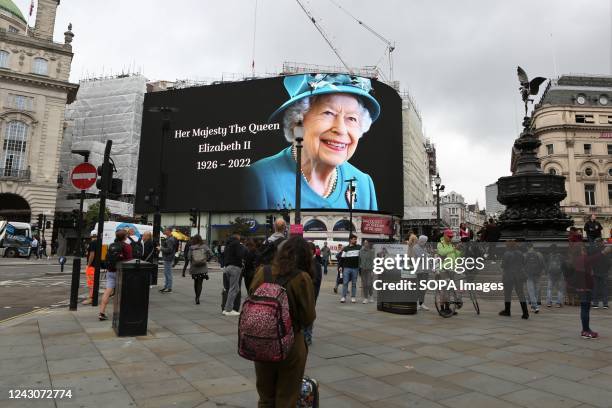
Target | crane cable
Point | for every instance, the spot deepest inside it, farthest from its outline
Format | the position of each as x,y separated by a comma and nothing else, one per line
254,35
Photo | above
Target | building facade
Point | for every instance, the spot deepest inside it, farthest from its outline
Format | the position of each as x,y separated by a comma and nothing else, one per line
493,207
573,121
452,210
34,91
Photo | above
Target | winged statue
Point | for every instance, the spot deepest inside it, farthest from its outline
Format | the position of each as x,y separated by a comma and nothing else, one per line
528,87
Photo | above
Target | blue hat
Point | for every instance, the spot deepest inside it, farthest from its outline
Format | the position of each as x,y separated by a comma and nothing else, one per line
302,86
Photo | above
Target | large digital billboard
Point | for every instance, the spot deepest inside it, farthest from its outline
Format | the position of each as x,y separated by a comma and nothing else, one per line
231,146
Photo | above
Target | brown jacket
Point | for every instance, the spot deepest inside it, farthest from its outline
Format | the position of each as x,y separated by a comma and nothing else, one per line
300,294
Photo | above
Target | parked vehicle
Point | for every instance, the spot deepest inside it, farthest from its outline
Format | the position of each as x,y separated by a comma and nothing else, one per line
15,239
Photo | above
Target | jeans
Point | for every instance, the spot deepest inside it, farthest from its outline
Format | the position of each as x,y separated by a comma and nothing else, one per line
600,290
325,263
533,290
168,273
233,275
585,310
350,274
367,279
555,282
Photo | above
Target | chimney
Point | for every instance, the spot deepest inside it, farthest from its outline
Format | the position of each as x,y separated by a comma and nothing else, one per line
45,19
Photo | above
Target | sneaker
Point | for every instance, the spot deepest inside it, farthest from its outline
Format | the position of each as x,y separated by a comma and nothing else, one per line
549,305
371,299
605,307
168,290
353,300
423,307
559,306
342,300
163,290
232,313
589,335
365,301
102,317
595,306
87,301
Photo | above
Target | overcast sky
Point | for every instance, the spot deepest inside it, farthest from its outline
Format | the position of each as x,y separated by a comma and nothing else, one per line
457,58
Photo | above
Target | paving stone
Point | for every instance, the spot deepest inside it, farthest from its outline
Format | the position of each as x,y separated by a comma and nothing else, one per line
380,369
330,350
144,372
365,388
569,389
405,401
332,373
475,400
130,354
63,351
436,352
246,399
209,369
72,365
148,390
507,372
109,399
24,365
341,402
223,386
88,382
599,380
559,370
179,400
534,398
432,367
425,386
32,381
483,383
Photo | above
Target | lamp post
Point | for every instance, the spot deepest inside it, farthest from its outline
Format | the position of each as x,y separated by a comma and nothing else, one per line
439,187
351,192
165,111
298,179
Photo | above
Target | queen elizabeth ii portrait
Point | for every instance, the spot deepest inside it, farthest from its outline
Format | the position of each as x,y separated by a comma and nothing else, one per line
330,113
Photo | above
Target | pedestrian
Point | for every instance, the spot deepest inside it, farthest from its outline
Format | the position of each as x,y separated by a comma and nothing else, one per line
186,255
556,282
325,257
318,254
448,252
250,257
117,252
270,246
90,268
150,253
464,232
316,276
593,228
534,266
350,268
492,235
601,267
513,278
198,255
233,257
53,247
366,267
419,251
168,249
279,383
34,247
339,269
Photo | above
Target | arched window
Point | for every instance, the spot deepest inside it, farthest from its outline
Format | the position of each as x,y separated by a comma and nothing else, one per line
40,66
4,59
343,225
13,149
552,171
315,225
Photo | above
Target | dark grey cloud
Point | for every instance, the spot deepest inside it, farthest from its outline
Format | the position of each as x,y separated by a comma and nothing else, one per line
457,58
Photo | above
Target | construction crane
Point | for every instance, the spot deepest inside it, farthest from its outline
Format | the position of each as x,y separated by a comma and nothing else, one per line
390,45
325,37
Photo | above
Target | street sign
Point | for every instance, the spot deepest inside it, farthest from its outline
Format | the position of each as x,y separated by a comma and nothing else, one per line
83,176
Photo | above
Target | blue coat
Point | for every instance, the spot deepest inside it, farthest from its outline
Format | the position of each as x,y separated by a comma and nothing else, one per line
273,178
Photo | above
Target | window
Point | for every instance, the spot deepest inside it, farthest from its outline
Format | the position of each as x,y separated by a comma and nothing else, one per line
13,30
610,172
587,148
552,171
21,102
589,194
609,194
585,119
588,171
4,58
610,150
40,66
13,149
550,149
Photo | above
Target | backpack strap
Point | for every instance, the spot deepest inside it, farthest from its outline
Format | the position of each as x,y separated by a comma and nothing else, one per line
268,274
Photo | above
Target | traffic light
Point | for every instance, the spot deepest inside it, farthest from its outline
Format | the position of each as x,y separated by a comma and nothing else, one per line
270,221
48,225
193,217
105,173
41,221
75,215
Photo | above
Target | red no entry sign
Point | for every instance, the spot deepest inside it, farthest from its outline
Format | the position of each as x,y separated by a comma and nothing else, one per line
83,176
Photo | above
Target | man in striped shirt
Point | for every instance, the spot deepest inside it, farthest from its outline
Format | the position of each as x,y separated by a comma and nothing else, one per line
350,265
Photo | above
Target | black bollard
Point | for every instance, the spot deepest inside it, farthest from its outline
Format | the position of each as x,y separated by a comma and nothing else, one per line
74,286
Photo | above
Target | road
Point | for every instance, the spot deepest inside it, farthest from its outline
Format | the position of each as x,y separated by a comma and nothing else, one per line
30,286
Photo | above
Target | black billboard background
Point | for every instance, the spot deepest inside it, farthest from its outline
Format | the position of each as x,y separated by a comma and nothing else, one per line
379,153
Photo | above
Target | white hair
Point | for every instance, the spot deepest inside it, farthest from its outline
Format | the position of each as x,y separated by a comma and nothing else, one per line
294,117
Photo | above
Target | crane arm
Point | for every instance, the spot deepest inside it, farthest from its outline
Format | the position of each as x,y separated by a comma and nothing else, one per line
325,37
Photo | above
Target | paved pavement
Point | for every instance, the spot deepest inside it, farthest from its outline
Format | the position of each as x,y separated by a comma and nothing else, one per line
362,357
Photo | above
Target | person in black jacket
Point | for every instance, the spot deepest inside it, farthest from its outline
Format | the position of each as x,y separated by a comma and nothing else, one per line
593,228
513,277
186,256
233,257
250,258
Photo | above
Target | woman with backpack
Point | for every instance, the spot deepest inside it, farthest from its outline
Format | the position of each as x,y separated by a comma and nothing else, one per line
198,256
279,383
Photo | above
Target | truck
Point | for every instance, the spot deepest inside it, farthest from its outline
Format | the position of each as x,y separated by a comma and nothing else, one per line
15,239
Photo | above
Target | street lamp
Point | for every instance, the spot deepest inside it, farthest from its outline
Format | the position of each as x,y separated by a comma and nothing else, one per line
439,187
351,192
298,179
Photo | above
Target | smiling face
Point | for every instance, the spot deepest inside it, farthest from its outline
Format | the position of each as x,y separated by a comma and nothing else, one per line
332,128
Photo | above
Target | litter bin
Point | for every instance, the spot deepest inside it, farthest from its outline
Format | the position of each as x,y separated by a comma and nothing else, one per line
131,302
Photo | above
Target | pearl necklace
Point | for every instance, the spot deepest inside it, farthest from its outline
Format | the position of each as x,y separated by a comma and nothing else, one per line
331,184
